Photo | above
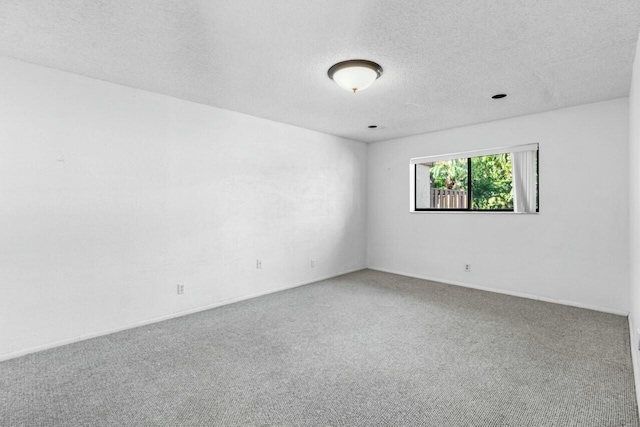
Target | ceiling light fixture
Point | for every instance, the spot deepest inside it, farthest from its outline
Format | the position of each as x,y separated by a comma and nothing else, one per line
355,75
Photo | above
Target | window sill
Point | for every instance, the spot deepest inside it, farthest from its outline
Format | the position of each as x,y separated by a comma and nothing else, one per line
464,211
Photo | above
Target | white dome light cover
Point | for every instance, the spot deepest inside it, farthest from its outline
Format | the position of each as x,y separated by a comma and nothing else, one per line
355,75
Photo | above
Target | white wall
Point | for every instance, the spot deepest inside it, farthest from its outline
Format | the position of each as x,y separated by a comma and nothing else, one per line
112,196
573,251
634,212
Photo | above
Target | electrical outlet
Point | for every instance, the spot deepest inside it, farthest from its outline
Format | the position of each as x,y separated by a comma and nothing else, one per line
180,289
467,268
258,264
313,263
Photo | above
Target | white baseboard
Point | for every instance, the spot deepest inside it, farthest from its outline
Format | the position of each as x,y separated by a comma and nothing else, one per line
506,292
633,342
83,337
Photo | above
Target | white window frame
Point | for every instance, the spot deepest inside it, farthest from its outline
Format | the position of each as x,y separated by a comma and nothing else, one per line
464,154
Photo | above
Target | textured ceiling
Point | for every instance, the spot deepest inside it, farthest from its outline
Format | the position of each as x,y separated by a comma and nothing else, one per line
442,60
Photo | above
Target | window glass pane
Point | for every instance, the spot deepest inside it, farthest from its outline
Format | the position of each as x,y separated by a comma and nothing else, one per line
491,182
442,184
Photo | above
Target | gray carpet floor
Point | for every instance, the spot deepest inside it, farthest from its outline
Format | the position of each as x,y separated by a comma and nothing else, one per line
364,349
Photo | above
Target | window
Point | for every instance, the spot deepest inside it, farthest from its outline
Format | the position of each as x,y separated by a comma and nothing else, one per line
499,179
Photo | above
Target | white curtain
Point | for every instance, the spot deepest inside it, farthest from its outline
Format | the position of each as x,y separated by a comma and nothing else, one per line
523,169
